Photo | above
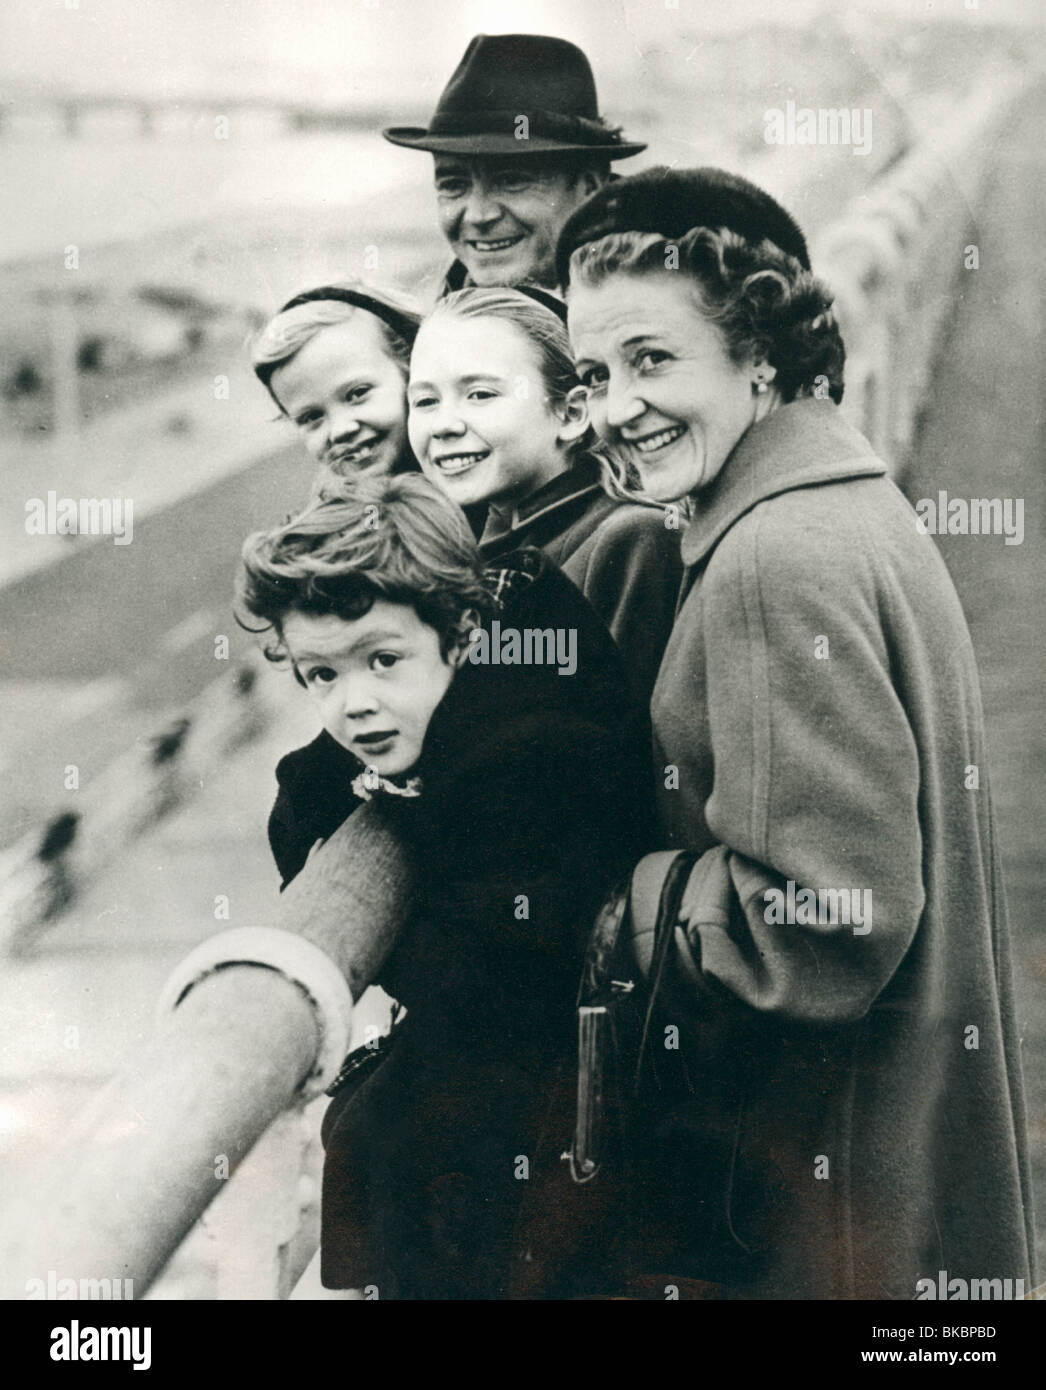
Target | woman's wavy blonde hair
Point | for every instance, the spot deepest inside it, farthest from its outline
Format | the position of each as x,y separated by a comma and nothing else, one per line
762,301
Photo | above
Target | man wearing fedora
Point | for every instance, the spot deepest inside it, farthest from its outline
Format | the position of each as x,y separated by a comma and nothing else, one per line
518,144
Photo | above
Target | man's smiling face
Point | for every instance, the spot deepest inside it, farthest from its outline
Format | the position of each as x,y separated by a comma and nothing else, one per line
503,214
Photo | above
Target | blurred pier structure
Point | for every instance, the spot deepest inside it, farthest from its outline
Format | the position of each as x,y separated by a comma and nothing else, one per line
70,112
946,376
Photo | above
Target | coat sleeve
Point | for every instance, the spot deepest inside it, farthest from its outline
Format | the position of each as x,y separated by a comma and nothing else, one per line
817,780
515,848
288,838
313,799
631,577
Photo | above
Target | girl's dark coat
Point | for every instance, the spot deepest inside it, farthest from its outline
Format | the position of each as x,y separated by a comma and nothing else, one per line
623,558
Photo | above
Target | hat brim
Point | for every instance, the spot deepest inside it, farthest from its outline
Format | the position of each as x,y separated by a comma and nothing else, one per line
417,138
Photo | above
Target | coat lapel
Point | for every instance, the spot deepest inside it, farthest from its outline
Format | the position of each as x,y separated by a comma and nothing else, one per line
543,517
779,454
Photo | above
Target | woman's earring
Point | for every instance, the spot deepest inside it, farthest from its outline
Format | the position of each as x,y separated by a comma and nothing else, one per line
760,386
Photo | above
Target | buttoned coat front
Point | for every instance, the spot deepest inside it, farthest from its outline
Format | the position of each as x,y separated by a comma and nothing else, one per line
855,1123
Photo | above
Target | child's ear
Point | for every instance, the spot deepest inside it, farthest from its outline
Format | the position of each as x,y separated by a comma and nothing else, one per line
573,411
468,621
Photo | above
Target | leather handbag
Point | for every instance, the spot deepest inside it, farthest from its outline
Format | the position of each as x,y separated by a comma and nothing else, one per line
616,1005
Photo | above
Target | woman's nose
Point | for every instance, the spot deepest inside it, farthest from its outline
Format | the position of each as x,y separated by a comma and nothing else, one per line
622,404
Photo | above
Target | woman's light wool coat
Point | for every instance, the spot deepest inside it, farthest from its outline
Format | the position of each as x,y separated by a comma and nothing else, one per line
819,707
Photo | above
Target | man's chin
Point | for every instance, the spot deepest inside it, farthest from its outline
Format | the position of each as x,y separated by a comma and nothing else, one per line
491,271
486,277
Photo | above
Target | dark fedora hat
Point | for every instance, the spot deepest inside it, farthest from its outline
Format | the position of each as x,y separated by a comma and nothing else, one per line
671,202
504,77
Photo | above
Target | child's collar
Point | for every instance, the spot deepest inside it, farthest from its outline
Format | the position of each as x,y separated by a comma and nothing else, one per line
503,581
367,782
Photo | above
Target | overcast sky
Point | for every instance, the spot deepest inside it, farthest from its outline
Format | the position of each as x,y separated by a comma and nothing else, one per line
150,44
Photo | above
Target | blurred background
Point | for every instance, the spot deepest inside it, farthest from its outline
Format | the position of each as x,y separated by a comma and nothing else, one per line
170,174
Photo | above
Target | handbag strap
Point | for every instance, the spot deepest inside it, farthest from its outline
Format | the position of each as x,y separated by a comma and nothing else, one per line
673,885
604,947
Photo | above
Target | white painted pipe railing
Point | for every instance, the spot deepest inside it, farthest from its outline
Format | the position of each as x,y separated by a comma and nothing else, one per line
115,1198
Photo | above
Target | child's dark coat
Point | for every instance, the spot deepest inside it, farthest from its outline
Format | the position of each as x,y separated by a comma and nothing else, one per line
535,802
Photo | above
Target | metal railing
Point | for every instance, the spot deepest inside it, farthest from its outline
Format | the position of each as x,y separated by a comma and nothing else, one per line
895,259
140,1165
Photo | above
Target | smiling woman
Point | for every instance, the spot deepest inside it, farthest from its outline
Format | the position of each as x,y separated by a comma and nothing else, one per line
678,403
678,367
815,718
